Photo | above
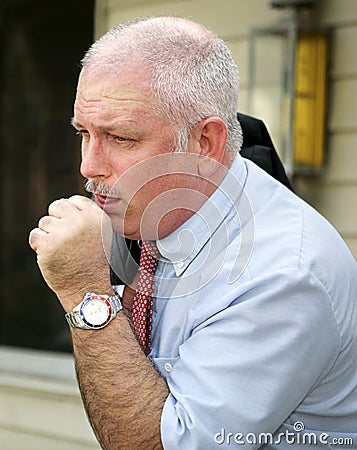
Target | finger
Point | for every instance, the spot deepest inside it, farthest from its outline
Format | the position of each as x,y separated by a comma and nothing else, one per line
82,203
61,207
36,236
47,223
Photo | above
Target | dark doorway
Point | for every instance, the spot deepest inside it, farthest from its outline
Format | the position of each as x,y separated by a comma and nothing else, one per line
41,44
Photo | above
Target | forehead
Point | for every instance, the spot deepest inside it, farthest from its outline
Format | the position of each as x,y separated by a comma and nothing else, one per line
104,104
130,81
122,93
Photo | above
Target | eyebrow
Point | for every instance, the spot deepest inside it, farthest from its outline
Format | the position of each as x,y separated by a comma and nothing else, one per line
76,124
109,127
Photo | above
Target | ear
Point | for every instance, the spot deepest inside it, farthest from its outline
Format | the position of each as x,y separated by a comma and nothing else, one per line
211,135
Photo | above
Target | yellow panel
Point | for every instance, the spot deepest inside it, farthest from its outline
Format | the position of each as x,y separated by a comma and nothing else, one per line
310,100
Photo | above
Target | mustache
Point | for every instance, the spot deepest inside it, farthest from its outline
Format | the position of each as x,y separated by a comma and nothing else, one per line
98,187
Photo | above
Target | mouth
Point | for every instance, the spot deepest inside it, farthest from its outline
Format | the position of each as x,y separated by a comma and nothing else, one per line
107,203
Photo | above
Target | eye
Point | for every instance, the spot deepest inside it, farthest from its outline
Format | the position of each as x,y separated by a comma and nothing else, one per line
118,139
83,133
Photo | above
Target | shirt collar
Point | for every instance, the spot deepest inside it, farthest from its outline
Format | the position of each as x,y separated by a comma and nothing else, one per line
183,245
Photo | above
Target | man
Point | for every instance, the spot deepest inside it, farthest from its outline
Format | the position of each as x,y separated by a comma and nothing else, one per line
254,333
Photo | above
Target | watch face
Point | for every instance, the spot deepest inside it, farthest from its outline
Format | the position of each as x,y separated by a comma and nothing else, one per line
96,311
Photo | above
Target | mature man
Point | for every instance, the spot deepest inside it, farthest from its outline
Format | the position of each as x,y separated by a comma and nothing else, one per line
252,339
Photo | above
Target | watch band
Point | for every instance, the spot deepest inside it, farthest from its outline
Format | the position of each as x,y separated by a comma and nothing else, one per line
75,320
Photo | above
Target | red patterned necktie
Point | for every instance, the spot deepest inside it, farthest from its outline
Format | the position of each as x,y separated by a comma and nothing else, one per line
144,295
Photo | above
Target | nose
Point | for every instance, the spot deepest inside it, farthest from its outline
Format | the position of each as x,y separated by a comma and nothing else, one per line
95,163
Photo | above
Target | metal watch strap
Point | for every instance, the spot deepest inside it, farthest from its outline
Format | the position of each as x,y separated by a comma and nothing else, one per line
74,319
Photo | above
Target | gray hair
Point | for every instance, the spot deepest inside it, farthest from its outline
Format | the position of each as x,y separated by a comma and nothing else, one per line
193,72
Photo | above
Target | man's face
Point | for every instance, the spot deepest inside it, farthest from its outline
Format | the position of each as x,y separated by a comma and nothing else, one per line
122,140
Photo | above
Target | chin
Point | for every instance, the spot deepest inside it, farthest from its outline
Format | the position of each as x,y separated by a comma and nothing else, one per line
125,230
148,230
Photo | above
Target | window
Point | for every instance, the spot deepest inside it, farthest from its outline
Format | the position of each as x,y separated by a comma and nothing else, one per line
41,45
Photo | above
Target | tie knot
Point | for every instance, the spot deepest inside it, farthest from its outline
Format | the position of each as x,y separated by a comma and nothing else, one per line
148,261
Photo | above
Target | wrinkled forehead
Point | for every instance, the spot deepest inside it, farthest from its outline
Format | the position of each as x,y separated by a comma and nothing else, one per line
126,95
127,71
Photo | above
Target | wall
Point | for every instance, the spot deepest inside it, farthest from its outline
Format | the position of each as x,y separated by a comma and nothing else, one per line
40,404
333,193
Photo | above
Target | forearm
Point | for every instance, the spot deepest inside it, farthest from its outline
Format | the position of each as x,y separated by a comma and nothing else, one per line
122,393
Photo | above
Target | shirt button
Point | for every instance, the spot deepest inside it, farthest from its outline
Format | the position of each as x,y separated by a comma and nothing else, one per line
180,264
168,367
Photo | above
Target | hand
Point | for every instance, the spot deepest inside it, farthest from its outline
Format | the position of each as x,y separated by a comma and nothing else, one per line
73,248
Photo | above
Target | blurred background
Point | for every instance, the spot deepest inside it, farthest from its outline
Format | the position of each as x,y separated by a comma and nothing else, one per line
41,44
298,69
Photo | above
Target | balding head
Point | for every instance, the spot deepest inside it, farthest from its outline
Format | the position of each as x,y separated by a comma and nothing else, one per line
191,71
142,38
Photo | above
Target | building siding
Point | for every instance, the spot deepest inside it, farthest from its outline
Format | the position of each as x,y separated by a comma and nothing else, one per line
40,403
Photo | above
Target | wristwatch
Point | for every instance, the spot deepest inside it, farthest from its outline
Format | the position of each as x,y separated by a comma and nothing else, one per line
94,312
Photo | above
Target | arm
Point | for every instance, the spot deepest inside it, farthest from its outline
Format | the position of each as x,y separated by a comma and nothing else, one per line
122,393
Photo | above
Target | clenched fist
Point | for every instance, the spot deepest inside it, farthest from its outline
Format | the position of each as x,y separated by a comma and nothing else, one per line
73,248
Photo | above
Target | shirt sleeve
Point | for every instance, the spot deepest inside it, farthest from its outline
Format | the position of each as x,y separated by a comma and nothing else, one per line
247,366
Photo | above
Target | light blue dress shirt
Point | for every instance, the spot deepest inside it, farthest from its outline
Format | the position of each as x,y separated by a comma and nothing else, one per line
255,323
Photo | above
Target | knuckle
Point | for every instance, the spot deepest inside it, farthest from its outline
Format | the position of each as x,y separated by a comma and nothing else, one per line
56,204
42,221
75,197
32,238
